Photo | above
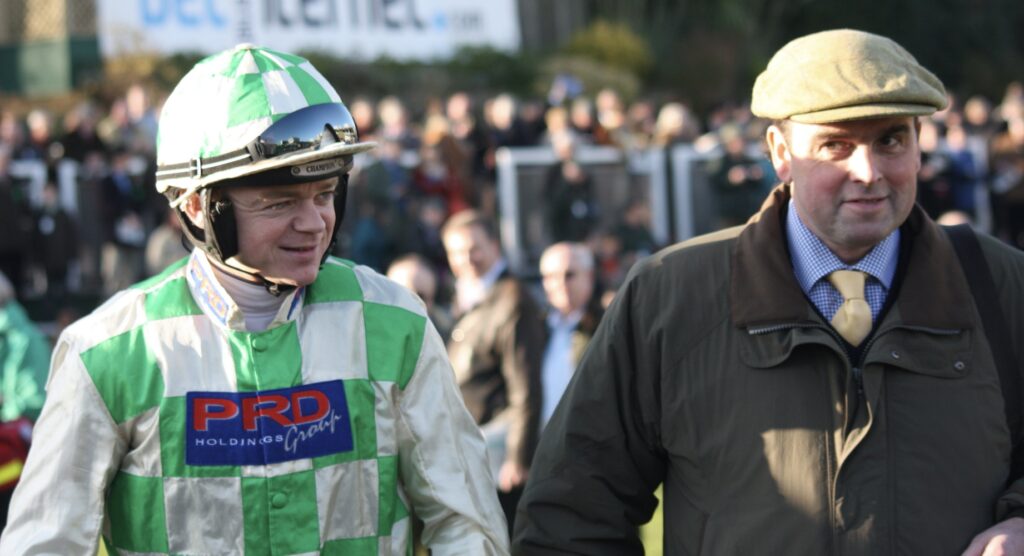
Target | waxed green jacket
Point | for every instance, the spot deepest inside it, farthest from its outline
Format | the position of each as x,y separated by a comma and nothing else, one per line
713,374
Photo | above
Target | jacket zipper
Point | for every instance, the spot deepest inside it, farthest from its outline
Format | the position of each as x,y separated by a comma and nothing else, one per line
833,464
858,379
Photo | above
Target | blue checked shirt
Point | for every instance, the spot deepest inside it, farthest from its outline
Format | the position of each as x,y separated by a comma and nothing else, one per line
813,261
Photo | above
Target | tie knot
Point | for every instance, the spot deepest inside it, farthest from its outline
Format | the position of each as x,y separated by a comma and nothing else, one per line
853,319
850,283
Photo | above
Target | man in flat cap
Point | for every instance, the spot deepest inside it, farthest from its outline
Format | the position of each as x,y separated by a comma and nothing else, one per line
818,381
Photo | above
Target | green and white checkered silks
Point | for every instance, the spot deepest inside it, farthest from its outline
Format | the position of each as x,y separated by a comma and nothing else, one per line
372,370
228,99
149,346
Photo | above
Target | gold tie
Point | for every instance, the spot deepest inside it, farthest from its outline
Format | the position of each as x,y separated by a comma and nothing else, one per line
853,319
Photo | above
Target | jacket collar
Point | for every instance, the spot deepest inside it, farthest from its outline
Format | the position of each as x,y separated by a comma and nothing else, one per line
931,291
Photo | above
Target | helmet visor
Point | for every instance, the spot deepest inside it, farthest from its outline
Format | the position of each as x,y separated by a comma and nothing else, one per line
307,129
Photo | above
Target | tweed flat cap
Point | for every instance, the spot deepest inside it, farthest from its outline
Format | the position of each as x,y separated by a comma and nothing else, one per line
842,75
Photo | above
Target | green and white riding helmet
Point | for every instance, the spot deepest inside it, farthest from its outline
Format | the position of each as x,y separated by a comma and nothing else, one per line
250,116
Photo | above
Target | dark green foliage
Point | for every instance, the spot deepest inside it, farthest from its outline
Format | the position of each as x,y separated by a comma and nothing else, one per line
171,69
708,50
614,45
480,69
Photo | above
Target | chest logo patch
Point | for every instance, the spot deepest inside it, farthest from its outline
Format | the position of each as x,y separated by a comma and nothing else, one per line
270,426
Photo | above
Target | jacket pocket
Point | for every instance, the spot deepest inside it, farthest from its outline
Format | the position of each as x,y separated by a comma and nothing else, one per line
773,346
930,352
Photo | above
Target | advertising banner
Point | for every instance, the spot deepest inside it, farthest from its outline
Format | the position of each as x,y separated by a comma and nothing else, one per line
362,29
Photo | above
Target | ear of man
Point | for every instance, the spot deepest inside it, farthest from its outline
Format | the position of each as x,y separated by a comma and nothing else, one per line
778,148
193,208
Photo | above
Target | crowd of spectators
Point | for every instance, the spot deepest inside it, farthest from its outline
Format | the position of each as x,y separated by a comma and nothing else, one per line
104,227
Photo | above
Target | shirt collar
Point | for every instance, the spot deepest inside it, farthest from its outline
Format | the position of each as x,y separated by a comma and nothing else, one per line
813,260
492,275
556,320
471,291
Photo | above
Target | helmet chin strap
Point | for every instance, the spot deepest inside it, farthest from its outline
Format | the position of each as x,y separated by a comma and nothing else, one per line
253,276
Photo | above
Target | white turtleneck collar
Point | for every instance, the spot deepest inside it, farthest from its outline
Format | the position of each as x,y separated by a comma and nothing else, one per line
258,306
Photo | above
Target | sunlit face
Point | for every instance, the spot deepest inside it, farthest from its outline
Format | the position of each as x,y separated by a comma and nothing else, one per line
853,182
284,231
471,252
567,285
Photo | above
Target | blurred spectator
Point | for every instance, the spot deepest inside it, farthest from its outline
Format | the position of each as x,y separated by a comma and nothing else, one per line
963,171
418,275
12,135
394,123
978,117
115,129
610,266
123,201
380,205
581,116
15,224
469,134
1012,105
496,349
934,191
443,168
531,114
634,233
373,236
675,124
504,128
383,179
571,206
612,119
24,359
738,180
364,117
504,125
24,366
41,144
80,139
720,115
556,120
423,236
640,124
567,273
1007,167
54,243
142,120
164,246
980,127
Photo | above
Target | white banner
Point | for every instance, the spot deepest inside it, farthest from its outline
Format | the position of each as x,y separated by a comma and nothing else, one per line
363,29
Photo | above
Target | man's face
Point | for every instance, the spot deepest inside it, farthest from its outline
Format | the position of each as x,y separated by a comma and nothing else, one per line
283,231
567,285
853,182
471,253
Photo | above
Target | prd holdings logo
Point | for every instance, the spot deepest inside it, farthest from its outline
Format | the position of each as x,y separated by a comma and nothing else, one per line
270,426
